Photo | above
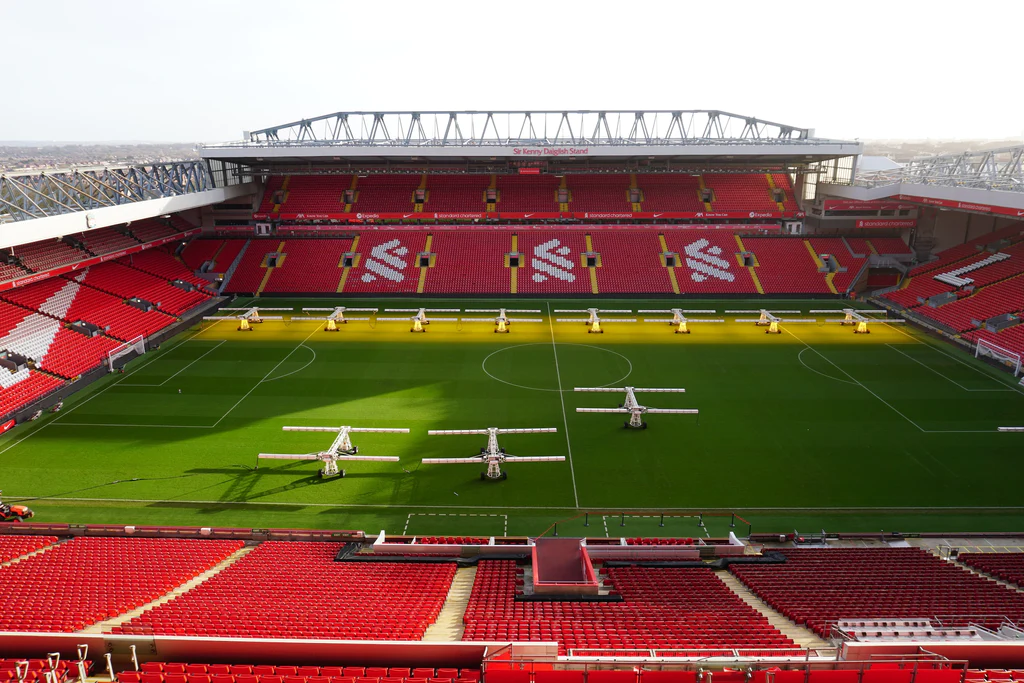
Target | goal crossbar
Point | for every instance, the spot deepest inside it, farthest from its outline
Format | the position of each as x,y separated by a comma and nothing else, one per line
138,345
1003,355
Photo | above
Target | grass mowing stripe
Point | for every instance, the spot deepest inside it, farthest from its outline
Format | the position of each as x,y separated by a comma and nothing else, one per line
179,371
279,364
561,398
943,376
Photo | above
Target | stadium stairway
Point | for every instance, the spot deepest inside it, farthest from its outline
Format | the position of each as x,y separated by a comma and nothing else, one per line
804,637
105,626
448,626
51,542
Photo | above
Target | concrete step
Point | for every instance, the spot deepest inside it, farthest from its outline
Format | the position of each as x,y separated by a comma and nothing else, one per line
449,626
798,634
102,626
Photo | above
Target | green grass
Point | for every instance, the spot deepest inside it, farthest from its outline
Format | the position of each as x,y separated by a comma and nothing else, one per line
813,428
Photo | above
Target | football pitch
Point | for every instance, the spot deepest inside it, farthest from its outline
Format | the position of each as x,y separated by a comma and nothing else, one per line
813,428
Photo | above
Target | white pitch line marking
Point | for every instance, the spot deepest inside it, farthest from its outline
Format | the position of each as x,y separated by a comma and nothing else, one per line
942,375
179,371
561,398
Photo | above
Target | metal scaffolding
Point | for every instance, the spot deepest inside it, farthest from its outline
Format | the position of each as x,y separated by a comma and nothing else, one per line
527,128
40,194
997,169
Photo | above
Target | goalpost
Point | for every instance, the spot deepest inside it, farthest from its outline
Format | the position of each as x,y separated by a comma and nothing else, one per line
1005,356
137,345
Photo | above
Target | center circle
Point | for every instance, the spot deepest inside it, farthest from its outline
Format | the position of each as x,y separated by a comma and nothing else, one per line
520,358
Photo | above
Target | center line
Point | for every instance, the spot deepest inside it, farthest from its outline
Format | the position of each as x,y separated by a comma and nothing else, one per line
561,397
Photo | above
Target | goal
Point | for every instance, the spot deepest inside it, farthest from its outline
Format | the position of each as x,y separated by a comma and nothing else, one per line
1004,356
137,345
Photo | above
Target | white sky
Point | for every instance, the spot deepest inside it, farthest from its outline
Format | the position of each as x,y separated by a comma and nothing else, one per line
187,70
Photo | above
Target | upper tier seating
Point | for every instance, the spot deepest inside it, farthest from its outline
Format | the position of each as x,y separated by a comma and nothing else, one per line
519,194
105,241
296,590
87,580
16,546
179,223
274,183
309,266
661,608
708,262
227,255
177,672
455,193
630,262
1005,566
785,265
152,229
783,183
670,192
126,282
600,193
552,262
819,587
736,192
386,193
9,271
48,254
315,194
471,261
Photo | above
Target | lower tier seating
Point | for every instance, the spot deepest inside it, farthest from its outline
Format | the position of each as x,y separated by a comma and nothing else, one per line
297,590
1011,339
661,608
47,671
87,580
472,261
175,672
309,266
630,262
819,587
16,546
126,282
1005,566
21,388
785,265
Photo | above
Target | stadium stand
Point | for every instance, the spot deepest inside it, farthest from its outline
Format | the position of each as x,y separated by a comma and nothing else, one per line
105,241
9,271
21,388
227,255
153,229
457,193
709,263
970,248
120,280
41,670
471,261
309,266
630,262
1004,566
314,194
836,248
553,262
161,264
48,254
117,318
16,546
670,192
527,193
199,251
786,265
886,245
1011,339
87,580
388,262
296,590
987,302
274,183
252,268
818,587
386,193
661,608
178,672
738,192
599,192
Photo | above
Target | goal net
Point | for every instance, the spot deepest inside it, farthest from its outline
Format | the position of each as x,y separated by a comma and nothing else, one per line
1004,356
137,345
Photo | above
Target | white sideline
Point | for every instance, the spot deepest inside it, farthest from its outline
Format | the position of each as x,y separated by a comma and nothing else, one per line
561,398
